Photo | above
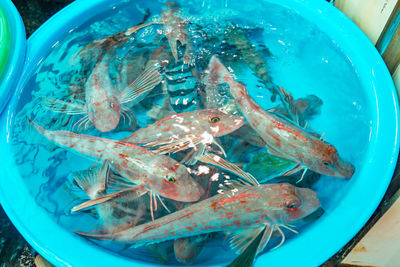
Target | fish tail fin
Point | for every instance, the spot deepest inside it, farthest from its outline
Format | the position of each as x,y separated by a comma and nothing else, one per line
143,84
92,181
61,106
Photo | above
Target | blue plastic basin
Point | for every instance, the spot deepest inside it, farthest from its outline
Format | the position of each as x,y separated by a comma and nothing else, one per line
311,247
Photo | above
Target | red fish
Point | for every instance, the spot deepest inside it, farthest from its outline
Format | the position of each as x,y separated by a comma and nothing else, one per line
156,173
193,129
104,103
283,137
244,212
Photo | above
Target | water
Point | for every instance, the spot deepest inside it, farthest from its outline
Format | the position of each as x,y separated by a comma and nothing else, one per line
299,57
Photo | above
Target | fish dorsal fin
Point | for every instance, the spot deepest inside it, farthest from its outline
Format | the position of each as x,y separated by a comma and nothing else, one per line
61,106
92,181
232,168
143,84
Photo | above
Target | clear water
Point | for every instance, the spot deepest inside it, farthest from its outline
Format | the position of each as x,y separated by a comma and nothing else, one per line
300,57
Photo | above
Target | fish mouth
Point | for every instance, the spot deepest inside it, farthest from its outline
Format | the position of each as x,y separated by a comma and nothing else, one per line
345,169
313,216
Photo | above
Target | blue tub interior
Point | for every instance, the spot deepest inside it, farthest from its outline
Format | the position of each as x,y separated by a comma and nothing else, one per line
307,55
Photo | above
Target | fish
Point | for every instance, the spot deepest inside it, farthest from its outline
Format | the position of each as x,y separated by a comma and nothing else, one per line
157,174
193,129
104,104
181,86
235,36
187,249
283,137
241,211
175,28
93,182
96,50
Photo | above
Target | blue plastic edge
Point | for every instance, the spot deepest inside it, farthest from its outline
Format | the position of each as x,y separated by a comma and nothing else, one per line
319,242
16,57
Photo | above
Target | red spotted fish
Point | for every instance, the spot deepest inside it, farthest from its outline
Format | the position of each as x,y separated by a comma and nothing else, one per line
283,138
193,129
104,104
158,174
243,212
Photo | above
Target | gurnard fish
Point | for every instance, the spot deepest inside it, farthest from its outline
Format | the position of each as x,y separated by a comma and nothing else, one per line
193,129
104,103
151,172
284,138
242,212
112,215
175,28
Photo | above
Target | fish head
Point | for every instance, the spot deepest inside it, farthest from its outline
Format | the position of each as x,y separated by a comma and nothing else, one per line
175,182
105,114
218,123
326,160
289,203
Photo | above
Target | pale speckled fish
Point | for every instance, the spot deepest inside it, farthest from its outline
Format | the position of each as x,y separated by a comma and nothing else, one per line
159,174
104,103
193,129
243,212
284,138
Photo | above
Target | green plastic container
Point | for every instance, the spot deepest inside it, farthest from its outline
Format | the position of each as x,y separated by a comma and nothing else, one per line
5,40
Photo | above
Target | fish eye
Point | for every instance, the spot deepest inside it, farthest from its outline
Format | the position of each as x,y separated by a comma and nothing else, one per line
170,179
325,163
112,105
215,119
291,206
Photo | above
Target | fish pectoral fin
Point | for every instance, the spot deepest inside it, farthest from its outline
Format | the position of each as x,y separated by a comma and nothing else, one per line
126,195
143,84
295,169
117,183
92,179
232,168
61,106
191,157
174,145
252,243
241,240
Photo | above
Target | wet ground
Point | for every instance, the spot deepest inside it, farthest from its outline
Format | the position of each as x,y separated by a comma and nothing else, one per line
14,251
